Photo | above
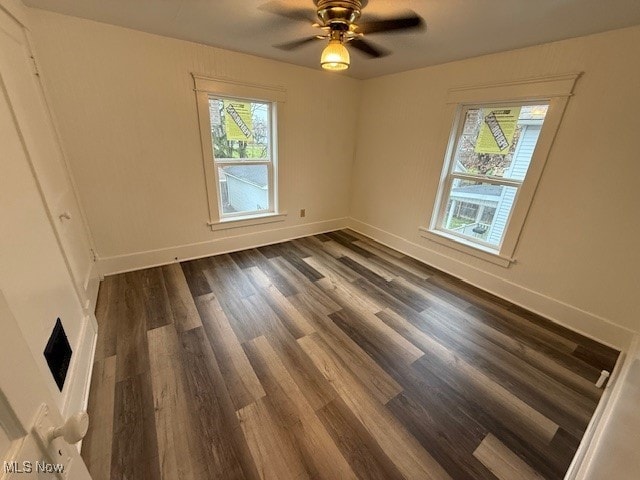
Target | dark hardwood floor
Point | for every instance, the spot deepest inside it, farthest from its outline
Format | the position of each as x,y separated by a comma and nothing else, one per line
330,357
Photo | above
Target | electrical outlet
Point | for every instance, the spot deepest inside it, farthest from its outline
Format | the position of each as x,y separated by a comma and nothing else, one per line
303,212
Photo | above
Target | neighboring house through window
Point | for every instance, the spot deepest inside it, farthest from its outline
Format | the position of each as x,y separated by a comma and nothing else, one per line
238,124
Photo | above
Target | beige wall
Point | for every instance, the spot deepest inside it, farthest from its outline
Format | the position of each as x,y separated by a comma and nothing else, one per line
579,246
126,110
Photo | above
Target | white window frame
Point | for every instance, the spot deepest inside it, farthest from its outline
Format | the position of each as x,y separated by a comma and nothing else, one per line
207,88
554,91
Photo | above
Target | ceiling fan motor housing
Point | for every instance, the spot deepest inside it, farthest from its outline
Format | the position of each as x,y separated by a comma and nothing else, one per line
339,12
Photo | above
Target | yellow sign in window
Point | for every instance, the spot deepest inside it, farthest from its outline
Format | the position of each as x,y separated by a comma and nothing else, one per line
497,130
239,124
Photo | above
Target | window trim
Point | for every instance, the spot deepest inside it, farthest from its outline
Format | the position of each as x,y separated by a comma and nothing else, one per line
554,90
205,88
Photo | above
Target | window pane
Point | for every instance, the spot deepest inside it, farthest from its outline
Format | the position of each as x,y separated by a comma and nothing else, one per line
499,141
240,129
479,210
244,188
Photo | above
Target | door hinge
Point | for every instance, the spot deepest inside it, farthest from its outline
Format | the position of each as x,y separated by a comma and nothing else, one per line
34,65
94,256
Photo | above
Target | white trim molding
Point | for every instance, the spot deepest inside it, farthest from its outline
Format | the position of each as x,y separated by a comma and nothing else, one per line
249,220
76,396
243,241
522,89
464,246
230,87
586,323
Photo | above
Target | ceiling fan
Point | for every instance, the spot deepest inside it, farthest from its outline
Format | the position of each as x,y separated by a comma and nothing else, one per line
338,20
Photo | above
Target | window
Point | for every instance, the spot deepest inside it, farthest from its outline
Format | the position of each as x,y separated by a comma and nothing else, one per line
494,158
241,133
492,153
238,124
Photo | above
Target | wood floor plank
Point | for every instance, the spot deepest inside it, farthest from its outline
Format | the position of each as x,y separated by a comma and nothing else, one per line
346,240
372,376
217,435
313,385
304,285
193,273
294,321
505,464
132,357
244,259
314,444
403,449
171,406
315,249
109,308
340,290
183,308
271,448
339,251
549,459
225,278
475,380
243,385
97,444
245,324
380,335
498,309
135,448
450,439
284,279
559,403
404,295
367,459
558,351
155,298
363,240
381,252
564,368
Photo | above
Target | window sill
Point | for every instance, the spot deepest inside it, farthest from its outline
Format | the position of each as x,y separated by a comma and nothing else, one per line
247,221
465,246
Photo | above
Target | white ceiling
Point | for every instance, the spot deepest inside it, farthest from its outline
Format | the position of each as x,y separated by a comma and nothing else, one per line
456,29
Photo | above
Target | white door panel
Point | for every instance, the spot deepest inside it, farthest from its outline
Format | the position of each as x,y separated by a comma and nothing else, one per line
43,149
33,273
22,399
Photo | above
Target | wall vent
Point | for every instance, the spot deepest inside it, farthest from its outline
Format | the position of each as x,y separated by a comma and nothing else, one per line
58,354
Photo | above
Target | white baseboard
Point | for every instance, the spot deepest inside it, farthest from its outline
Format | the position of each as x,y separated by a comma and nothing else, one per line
79,376
164,256
572,317
588,455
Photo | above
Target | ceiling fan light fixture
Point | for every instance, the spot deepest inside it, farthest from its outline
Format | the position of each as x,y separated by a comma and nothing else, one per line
335,56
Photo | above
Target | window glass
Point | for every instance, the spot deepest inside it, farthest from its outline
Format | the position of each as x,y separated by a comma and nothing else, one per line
240,129
241,135
499,141
492,154
244,188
